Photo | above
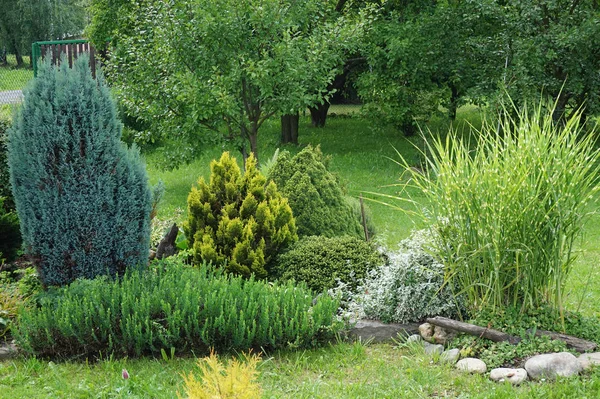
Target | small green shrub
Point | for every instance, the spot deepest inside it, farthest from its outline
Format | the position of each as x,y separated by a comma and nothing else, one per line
508,213
16,288
5,190
238,220
191,309
321,262
236,380
409,287
316,196
82,196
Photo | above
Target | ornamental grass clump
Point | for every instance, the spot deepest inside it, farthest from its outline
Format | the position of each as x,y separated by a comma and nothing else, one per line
507,213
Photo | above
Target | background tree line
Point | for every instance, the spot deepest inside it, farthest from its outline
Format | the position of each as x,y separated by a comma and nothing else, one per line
23,22
202,71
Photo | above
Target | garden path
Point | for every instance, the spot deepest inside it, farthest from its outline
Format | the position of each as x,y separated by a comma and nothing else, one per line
11,97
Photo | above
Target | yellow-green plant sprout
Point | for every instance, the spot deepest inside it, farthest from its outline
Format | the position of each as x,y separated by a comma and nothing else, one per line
238,379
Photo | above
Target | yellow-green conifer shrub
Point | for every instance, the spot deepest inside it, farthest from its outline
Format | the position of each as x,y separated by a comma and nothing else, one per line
236,380
238,219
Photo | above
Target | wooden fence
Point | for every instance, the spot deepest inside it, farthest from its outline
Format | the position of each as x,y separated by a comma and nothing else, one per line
55,49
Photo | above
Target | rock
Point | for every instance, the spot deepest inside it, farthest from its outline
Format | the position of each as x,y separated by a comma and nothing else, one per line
152,255
588,360
376,331
551,365
426,331
7,351
471,365
514,376
441,335
432,349
414,338
450,356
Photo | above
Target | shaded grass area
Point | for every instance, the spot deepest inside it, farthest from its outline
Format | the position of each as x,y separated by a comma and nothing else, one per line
337,371
13,78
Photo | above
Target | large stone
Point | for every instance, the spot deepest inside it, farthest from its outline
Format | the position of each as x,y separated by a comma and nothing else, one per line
450,356
7,351
432,349
587,360
551,365
441,335
414,338
471,365
514,376
426,331
376,331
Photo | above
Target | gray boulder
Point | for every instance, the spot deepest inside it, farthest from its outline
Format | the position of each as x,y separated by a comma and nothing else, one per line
432,349
587,360
514,376
471,365
551,365
450,356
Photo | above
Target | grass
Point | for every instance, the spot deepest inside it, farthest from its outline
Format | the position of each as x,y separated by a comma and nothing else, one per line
343,370
13,78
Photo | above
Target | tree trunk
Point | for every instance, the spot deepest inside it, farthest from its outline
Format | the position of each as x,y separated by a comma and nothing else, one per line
318,114
3,58
253,137
289,128
488,333
453,102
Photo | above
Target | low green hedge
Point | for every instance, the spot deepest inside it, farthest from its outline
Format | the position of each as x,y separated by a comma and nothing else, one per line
321,261
173,306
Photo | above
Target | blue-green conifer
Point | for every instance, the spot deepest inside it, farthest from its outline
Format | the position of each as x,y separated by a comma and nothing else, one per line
81,195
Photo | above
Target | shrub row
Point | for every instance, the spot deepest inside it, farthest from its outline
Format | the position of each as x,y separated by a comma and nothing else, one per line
173,306
321,261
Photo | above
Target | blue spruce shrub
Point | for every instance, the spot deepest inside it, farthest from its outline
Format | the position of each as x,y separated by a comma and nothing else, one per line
81,195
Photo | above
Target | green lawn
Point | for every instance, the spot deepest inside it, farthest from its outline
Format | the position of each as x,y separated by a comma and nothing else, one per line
342,371
363,158
13,78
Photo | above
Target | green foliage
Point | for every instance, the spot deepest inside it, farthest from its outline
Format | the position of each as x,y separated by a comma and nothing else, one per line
238,220
315,195
409,287
188,67
25,21
5,190
508,213
321,261
513,321
10,234
552,46
82,197
191,309
15,290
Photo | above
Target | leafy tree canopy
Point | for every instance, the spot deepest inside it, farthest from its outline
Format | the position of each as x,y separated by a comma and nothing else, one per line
225,66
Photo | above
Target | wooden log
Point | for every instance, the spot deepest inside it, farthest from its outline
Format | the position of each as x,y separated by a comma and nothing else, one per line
167,246
580,345
472,329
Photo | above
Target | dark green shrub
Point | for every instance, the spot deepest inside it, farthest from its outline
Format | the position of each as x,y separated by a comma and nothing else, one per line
174,306
5,190
10,235
82,197
320,261
315,195
238,220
